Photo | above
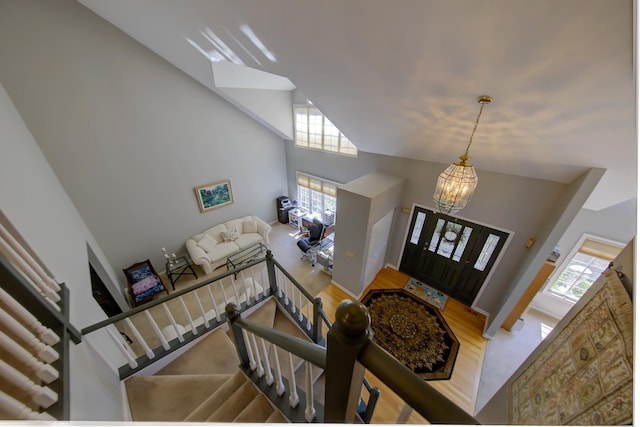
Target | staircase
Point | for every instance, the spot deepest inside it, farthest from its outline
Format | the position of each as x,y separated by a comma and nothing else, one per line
204,383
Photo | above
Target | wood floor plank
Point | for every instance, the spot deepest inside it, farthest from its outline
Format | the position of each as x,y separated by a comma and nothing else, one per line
466,325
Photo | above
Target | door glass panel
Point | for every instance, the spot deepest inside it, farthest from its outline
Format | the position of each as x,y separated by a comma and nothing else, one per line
436,235
449,240
462,244
417,227
487,251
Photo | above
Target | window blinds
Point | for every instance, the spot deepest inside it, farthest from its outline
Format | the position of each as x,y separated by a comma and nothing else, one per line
317,184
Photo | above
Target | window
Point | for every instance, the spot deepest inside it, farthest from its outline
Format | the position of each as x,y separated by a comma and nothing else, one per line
314,130
317,196
583,268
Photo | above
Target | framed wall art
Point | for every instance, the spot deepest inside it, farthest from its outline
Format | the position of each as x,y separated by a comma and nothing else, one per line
214,195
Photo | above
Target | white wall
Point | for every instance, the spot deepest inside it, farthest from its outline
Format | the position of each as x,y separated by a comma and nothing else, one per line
128,134
38,207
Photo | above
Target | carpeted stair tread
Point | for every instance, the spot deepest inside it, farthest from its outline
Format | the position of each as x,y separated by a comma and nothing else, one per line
258,411
209,405
301,375
169,397
215,354
234,404
265,314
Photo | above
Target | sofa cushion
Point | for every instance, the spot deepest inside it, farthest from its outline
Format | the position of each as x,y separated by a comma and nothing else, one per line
207,243
237,222
223,250
215,232
246,239
249,227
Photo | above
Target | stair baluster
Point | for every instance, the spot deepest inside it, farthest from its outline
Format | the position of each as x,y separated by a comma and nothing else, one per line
294,399
260,367
224,294
267,364
150,354
310,411
279,283
234,287
300,315
280,388
156,329
265,290
189,318
124,348
244,287
173,322
214,303
309,316
255,289
252,360
201,308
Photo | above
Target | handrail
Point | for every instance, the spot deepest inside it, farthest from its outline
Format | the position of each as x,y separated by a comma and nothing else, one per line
166,298
418,394
309,351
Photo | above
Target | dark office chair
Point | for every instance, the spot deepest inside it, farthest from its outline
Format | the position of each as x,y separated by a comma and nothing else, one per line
308,244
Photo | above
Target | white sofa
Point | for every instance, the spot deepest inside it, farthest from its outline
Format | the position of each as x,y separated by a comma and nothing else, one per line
210,250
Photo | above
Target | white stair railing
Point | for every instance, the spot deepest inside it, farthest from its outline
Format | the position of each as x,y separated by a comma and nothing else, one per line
43,371
310,411
43,351
294,399
158,332
45,334
42,396
150,354
16,410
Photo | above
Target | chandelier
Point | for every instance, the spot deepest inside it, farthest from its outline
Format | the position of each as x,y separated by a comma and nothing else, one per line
457,183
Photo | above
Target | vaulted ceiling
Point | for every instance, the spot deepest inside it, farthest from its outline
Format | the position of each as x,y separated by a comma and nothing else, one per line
401,77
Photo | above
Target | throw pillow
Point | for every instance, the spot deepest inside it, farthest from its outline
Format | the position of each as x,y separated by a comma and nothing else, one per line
207,243
249,227
231,234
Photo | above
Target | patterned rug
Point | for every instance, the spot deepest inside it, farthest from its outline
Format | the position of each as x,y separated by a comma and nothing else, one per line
584,375
413,332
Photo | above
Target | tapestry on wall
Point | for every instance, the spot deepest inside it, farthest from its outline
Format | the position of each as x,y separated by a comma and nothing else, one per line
585,375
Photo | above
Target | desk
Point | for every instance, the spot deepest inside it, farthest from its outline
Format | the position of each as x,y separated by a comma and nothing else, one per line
177,269
325,253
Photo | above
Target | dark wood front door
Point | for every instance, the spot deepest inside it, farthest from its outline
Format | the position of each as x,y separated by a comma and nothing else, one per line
450,254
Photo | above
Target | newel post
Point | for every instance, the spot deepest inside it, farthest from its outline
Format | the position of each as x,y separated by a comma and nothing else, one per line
344,374
317,320
232,314
271,272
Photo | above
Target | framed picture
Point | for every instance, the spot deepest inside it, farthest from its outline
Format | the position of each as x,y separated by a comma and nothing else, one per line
215,195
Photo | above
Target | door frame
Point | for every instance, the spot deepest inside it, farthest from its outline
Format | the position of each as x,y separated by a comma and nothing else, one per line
510,234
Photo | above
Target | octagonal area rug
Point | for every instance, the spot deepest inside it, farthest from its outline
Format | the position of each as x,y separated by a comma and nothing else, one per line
412,331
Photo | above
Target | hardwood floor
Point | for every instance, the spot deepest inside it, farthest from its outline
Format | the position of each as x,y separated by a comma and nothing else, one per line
467,326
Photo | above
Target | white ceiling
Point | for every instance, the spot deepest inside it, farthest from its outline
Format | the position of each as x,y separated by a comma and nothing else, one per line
401,77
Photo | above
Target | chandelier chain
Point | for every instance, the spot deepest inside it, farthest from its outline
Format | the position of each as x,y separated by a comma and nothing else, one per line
466,153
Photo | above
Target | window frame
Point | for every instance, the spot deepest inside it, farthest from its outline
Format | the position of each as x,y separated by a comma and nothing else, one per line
567,261
308,144
323,195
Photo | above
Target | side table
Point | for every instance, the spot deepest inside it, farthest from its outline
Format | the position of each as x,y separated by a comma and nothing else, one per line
177,269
